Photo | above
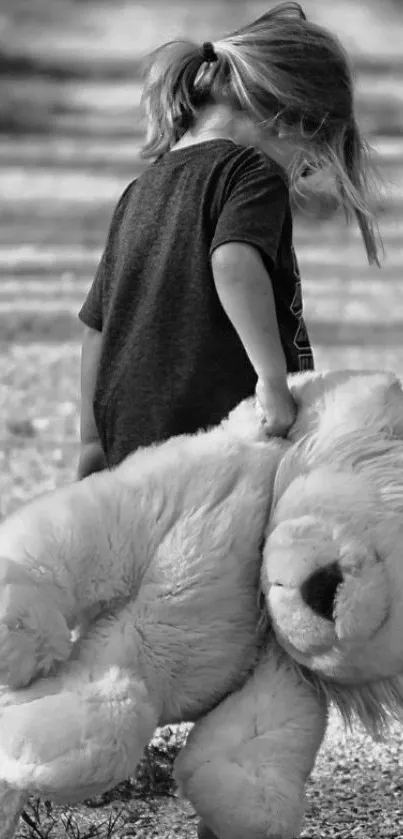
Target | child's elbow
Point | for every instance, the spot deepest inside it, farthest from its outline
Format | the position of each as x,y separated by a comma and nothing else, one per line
237,262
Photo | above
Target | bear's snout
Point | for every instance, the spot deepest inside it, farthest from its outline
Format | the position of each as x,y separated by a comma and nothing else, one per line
319,590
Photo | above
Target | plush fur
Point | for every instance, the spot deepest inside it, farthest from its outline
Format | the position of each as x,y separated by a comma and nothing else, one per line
333,561
131,599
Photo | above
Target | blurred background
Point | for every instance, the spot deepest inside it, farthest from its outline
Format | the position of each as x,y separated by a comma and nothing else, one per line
70,130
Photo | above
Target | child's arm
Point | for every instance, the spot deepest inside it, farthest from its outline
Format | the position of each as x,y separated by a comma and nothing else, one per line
92,458
245,291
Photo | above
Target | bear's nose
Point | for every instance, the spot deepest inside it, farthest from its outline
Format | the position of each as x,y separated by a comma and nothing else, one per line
319,590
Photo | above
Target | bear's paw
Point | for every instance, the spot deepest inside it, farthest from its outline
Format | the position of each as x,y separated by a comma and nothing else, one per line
34,635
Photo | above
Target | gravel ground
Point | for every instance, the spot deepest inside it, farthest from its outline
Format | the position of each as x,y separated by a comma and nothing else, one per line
355,792
356,788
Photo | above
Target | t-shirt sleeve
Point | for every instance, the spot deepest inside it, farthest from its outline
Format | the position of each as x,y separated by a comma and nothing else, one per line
92,311
253,207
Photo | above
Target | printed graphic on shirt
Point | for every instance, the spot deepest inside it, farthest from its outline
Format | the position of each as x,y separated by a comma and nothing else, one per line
301,339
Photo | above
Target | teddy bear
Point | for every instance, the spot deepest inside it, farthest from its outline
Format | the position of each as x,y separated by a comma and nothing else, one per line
202,581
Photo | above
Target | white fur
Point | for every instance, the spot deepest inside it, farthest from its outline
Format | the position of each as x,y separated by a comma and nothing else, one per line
155,568
339,497
12,802
131,600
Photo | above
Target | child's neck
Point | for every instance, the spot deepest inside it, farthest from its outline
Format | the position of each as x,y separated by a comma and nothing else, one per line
216,122
220,122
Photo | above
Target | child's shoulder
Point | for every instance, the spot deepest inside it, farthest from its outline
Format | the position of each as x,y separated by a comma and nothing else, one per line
250,159
123,201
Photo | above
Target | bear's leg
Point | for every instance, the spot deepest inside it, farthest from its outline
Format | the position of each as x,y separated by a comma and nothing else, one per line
11,804
82,732
245,764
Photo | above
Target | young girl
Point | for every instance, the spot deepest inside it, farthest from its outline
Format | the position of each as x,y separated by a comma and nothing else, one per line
197,300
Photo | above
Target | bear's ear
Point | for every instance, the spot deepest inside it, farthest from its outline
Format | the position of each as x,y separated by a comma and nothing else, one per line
296,462
340,401
346,419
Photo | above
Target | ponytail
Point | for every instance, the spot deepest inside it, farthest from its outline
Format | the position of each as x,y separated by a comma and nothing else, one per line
170,97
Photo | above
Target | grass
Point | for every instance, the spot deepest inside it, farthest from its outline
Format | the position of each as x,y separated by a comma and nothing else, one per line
42,822
136,808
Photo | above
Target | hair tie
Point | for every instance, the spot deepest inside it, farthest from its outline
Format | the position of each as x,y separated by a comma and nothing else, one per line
209,53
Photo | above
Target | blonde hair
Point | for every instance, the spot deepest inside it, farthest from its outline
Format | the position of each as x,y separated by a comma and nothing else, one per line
284,72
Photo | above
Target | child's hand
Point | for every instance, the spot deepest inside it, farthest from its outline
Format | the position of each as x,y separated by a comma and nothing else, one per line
277,405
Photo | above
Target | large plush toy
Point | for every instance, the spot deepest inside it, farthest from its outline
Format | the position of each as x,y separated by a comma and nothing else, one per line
131,600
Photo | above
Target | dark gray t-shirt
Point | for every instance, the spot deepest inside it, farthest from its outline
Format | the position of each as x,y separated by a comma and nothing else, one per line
171,361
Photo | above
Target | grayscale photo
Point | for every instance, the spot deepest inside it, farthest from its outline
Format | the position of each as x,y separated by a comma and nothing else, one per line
201,425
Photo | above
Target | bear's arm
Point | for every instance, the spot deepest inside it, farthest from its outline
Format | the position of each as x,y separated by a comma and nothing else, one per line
245,764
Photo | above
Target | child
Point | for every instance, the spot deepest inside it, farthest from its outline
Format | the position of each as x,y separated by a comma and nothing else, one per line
197,300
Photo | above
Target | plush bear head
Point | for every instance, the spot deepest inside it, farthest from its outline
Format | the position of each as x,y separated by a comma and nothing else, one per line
332,572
